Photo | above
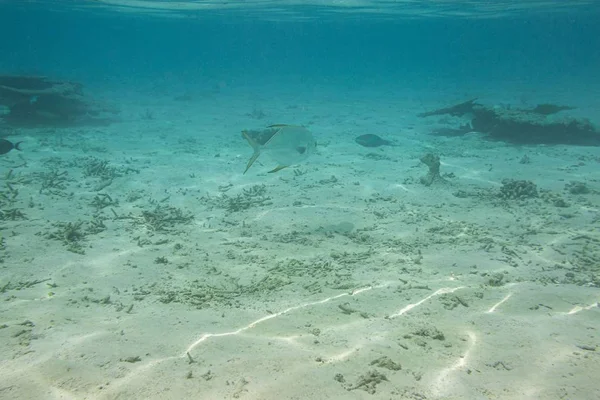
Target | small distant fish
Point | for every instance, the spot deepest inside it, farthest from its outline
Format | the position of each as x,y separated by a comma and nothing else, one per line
371,140
6,146
286,144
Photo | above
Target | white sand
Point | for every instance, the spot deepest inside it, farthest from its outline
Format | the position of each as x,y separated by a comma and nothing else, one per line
299,310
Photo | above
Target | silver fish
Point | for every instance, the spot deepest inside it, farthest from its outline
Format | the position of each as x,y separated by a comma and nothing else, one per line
285,144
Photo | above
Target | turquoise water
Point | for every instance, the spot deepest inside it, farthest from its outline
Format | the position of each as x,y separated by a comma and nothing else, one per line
432,233
339,45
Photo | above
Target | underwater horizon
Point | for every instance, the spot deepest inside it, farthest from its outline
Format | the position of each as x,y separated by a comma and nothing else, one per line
299,199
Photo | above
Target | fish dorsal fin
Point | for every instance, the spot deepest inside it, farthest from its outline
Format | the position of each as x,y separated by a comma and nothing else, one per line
279,168
278,128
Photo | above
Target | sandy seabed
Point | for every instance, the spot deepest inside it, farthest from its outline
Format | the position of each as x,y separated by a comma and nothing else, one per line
139,263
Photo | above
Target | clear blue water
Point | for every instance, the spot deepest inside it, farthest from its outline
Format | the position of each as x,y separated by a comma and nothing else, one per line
540,45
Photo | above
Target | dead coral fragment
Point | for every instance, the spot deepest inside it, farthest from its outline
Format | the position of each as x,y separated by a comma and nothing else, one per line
52,181
517,190
94,167
11,214
70,234
387,363
103,200
162,218
433,176
577,188
369,381
255,196
430,332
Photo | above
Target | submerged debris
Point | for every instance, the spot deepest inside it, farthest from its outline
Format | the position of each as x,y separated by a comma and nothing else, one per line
521,126
38,101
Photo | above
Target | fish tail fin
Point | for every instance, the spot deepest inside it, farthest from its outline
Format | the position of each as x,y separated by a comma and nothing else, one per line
18,146
251,141
255,147
251,160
